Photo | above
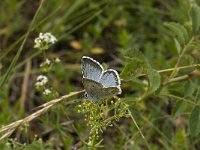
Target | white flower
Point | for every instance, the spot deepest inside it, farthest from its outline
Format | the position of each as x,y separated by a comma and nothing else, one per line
41,81
42,78
48,62
44,41
47,92
57,60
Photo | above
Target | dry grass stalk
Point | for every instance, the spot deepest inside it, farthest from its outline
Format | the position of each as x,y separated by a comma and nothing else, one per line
25,85
6,131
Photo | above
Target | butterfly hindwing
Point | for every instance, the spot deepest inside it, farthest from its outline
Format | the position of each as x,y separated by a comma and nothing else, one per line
111,91
91,69
96,91
93,88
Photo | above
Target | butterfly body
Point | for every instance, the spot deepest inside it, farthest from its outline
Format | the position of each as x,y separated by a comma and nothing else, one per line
99,84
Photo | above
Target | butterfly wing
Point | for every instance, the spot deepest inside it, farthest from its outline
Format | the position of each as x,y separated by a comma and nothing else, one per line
91,69
98,83
93,89
110,79
111,91
96,91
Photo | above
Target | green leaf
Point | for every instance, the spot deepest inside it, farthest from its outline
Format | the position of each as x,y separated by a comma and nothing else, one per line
134,55
179,108
154,79
198,96
190,88
195,16
177,45
184,31
178,31
194,121
132,70
137,62
198,67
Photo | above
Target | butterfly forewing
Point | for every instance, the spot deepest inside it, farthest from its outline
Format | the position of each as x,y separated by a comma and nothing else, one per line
91,68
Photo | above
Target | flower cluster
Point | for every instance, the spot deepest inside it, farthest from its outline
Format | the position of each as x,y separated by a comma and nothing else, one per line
47,92
41,81
100,116
46,63
44,41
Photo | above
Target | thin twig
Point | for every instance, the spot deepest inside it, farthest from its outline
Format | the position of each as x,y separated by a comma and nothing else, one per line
138,128
178,68
184,77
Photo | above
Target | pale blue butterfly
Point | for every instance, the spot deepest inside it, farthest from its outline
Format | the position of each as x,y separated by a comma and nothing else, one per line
99,83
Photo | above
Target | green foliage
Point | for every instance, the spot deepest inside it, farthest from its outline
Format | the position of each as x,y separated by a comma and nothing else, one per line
179,108
198,96
154,80
194,122
1,66
178,31
153,44
98,117
180,35
179,140
195,16
136,64
133,69
36,145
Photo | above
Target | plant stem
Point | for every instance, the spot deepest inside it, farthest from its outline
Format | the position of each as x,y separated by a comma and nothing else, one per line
172,69
184,77
178,68
174,72
142,135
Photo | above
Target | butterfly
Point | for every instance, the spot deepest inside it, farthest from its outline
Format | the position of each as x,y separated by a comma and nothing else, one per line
99,83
